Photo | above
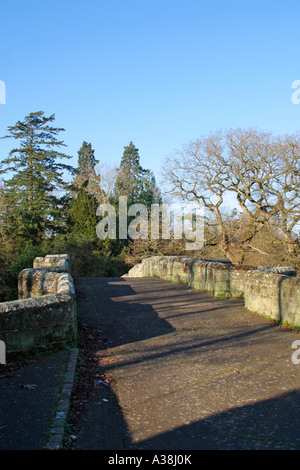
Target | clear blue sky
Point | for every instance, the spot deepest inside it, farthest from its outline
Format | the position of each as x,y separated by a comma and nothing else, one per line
157,72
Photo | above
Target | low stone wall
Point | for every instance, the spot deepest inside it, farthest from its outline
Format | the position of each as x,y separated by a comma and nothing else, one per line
60,263
34,282
267,290
45,314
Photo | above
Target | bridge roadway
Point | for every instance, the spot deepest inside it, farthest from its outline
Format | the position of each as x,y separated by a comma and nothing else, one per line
189,371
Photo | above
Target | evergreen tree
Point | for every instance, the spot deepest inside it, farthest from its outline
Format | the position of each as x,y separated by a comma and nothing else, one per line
134,181
82,215
36,195
86,165
138,185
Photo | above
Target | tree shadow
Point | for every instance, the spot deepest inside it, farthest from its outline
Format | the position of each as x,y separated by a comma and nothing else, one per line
271,424
128,317
108,300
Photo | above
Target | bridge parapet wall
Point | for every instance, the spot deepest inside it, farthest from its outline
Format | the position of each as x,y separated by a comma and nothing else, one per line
267,290
45,314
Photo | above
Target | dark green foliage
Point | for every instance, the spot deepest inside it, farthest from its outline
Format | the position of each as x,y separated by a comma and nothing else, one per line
133,181
36,194
83,222
12,262
42,214
89,258
86,165
82,215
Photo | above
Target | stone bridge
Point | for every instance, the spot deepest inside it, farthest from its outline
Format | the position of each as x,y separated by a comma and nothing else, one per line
187,370
185,360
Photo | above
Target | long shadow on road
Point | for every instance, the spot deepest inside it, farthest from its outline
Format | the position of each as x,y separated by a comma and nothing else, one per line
271,424
114,304
189,371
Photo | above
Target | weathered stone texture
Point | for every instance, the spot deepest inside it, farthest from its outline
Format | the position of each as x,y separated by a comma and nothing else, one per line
238,276
290,300
60,263
45,321
268,290
262,293
45,314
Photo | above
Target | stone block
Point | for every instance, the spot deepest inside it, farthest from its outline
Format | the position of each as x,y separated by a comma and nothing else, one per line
290,301
262,293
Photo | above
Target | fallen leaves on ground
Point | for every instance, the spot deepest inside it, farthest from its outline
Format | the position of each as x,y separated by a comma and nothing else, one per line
28,386
90,376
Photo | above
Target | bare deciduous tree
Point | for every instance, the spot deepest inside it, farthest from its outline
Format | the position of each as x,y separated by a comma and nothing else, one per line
262,171
104,181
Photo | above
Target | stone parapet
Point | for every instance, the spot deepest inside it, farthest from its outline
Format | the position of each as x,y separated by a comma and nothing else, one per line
268,290
60,263
45,315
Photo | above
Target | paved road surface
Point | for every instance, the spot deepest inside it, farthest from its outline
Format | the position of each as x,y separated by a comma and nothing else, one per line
190,371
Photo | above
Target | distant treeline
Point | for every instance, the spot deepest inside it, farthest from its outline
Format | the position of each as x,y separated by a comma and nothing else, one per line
48,206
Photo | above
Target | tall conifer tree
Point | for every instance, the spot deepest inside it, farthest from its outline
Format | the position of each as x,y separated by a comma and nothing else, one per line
86,165
36,194
135,182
